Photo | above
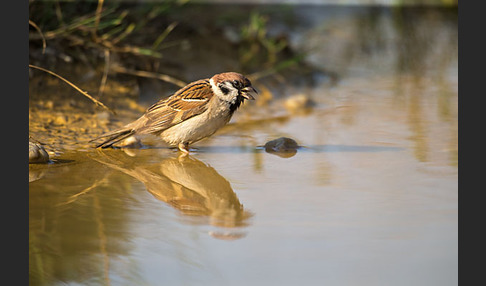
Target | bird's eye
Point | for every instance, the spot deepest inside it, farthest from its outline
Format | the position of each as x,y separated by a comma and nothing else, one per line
237,84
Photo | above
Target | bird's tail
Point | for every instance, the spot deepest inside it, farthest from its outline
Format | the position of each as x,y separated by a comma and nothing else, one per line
114,137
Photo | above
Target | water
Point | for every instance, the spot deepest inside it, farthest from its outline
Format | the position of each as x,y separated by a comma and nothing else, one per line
370,197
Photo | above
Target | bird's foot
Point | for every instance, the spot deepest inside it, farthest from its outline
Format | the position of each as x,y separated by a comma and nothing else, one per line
184,147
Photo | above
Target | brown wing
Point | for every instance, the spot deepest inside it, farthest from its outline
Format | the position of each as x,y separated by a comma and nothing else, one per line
187,102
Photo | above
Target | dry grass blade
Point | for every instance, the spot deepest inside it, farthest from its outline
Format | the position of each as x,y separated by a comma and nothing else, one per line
134,50
97,18
163,77
105,73
276,68
164,35
74,86
41,34
128,30
78,23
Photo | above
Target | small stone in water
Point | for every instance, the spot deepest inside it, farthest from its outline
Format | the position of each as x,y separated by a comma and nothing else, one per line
283,147
37,153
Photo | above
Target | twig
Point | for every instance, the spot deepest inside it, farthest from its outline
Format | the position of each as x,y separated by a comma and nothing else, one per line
74,86
134,50
42,35
163,77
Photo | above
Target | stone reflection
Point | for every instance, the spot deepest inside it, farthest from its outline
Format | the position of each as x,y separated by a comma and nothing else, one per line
187,184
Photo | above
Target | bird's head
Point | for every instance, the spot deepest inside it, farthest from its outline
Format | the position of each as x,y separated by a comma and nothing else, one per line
232,87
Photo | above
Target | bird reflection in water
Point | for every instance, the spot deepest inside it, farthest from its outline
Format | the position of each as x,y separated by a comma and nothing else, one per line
187,184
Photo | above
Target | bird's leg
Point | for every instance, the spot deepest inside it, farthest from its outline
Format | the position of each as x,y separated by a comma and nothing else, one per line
184,147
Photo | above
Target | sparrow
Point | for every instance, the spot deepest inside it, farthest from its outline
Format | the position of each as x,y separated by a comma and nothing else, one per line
192,113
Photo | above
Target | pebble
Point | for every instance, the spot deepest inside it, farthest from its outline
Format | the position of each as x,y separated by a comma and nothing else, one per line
131,142
37,153
284,147
299,103
60,120
49,104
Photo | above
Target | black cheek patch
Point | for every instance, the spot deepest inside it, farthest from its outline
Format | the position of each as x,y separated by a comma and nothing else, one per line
224,89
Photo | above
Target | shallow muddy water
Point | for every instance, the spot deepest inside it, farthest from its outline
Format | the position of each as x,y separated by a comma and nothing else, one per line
369,198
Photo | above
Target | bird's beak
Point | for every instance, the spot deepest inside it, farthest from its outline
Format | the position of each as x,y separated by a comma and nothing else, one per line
249,92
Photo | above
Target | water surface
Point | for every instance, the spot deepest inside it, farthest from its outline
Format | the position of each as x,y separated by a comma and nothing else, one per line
370,197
